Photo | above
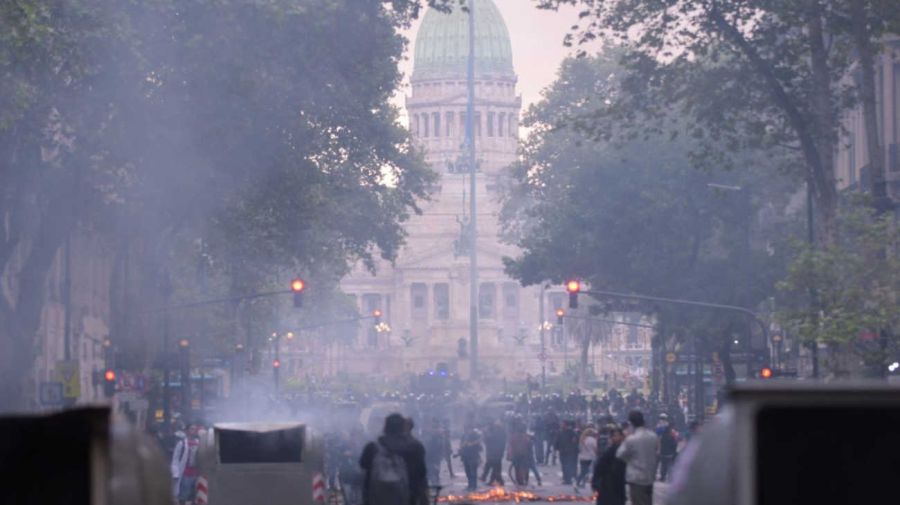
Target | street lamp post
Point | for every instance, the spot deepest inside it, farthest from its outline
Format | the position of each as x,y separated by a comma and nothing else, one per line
473,208
184,353
813,296
543,340
167,388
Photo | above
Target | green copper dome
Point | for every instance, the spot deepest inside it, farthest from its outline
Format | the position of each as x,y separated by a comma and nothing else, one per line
442,43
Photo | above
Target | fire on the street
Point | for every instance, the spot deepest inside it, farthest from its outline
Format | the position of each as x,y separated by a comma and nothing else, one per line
500,494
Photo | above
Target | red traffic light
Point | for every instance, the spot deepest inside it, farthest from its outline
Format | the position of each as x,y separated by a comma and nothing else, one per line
276,363
560,312
766,373
376,313
109,376
573,286
297,285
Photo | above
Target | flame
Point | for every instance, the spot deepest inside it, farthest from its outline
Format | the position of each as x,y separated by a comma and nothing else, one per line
500,494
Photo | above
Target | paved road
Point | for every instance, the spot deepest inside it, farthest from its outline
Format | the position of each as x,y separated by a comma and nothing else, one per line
551,478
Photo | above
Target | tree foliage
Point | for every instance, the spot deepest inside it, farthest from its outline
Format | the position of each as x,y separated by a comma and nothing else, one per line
636,215
746,72
855,281
240,138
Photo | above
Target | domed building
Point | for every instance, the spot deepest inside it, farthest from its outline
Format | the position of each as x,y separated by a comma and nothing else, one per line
424,297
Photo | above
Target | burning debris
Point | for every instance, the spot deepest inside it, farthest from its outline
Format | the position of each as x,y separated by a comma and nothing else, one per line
501,495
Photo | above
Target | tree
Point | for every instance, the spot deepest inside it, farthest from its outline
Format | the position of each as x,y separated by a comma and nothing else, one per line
856,286
244,139
746,72
636,216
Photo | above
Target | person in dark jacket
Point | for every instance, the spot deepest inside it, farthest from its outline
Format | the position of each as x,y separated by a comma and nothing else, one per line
470,454
668,448
398,439
495,447
447,448
434,452
609,472
551,432
519,454
567,445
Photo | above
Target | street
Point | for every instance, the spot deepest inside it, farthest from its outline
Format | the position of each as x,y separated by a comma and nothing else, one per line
551,491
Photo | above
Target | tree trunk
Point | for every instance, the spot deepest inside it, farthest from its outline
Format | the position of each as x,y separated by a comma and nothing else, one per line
20,324
824,128
815,134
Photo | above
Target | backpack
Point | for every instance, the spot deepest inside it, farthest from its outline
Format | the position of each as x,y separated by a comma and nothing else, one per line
388,480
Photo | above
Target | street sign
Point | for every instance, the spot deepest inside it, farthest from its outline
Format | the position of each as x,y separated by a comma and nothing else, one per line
67,371
51,393
671,357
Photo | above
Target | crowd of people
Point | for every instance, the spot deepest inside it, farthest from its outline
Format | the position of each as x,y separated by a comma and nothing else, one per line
597,442
608,457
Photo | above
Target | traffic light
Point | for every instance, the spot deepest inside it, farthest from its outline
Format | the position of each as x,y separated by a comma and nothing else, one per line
109,382
573,287
276,363
766,373
297,286
377,315
559,316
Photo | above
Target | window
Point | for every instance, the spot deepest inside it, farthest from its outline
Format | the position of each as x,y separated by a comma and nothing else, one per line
418,295
462,123
500,124
425,125
436,117
486,297
442,301
632,340
415,125
477,124
490,124
449,128
512,126
511,300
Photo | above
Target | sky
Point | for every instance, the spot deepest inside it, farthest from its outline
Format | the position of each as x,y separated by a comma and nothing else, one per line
536,37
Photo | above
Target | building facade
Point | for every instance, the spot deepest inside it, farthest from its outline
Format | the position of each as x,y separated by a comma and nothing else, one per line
424,296
852,158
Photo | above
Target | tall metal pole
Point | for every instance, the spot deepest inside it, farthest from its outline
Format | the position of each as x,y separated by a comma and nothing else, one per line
67,298
473,208
167,408
543,341
276,365
813,297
